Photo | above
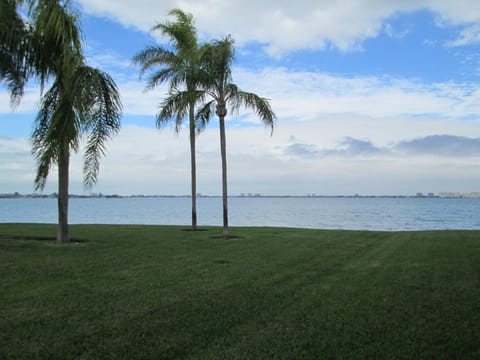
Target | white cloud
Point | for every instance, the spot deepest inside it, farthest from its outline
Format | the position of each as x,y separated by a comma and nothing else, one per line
16,165
394,33
469,35
108,61
285,25
137,101
457,12
303,95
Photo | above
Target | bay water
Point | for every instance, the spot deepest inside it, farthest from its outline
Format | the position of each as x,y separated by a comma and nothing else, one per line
389,214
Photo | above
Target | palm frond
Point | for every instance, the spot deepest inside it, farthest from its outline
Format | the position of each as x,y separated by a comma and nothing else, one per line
161,77
46,158
172,68
14,78
154,56
56,33
217,60
174,106
44,138
13,50
204,114
99,108
261,106
181,33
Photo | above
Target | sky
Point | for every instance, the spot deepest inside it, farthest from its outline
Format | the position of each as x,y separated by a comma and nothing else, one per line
372,97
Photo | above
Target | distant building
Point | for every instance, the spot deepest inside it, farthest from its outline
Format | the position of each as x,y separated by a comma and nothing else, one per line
450,195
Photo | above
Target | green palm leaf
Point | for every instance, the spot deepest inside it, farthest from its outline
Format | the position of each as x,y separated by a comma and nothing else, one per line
13,49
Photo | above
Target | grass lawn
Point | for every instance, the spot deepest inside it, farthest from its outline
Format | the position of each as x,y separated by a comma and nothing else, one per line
157,292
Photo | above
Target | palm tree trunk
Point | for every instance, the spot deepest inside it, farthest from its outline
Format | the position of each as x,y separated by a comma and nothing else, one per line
63,168
193,167
223,150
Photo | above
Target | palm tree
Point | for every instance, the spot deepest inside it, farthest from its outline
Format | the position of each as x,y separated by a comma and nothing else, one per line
82,101
181,68
218,59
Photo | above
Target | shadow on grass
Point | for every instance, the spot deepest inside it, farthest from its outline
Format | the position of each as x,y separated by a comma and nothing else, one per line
46,239
222,262
230,237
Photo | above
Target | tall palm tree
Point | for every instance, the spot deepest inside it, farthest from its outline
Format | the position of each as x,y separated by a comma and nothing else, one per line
82,101
217,60
180,67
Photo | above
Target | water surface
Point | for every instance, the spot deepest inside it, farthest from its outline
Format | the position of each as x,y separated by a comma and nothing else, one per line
319,213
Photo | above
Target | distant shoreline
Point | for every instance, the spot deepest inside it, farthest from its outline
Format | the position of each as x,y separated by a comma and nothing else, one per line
246,196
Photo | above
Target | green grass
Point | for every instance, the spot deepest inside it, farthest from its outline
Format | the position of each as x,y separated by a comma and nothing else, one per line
155,292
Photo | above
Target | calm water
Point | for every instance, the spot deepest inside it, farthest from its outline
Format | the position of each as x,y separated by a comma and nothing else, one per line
322,213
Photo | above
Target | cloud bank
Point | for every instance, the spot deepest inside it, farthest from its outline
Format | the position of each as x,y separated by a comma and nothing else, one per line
296,160
283,26
433,145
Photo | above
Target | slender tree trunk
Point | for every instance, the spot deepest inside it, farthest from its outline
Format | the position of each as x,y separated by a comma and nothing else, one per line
193,167
223,150
63,169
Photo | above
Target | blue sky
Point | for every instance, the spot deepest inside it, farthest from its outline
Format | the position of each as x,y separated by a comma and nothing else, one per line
372,97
